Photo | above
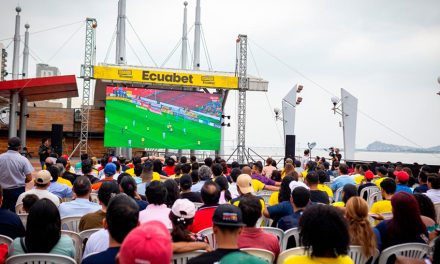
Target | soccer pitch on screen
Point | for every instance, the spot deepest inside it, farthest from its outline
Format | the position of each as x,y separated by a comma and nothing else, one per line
150,118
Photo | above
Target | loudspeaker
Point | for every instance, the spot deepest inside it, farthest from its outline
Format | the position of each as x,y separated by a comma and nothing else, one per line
290,147
56,138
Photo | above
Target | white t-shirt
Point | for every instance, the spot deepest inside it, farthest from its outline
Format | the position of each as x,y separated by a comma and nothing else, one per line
41,194
97,242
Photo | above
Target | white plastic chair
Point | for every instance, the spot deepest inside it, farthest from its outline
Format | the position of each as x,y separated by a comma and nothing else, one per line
288,234
355,253
410,250
182,258
94,197
373,197
209,233
298,251
19,209
261,253
23,218
369,190
40,258
87,233
6,240
338,194
70,223
77,243
437,211
276,231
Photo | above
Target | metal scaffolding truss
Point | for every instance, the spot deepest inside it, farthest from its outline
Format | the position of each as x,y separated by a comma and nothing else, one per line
87,74
242,87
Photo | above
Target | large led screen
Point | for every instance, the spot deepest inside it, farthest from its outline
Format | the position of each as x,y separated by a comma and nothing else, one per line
150,118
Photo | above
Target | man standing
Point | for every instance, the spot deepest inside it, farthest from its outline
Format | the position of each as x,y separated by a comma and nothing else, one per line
15,172
43,151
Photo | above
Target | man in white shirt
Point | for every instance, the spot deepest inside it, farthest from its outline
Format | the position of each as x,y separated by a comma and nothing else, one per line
433,188
42,182
305,158
81,205
97,242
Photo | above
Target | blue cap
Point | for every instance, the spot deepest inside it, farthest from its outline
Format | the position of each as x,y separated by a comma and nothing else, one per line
110,169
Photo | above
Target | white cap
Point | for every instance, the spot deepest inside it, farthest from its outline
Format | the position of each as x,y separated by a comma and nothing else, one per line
294,184
183,208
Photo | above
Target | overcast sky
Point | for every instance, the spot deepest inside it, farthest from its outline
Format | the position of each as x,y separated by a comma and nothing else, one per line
386,53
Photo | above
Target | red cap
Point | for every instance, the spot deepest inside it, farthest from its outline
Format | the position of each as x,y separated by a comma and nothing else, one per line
65,156
147,243
369,175
402,176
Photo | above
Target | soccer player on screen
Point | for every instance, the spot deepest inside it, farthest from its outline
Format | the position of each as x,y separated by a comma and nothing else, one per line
134,122
163,135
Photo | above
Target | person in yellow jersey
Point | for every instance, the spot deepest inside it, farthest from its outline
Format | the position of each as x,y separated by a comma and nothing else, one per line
348,191
147,175
322,176
359,172
388,188
331,248
381,175
287,161
284,193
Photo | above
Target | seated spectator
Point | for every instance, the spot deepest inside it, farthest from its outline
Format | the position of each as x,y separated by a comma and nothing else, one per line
359,228
300,199
256,175
322,177
324,234
423,183
217,170
195,176
128,186
147,243
276,176
181,216
252,236
147,175
185,190
82,204
109,172
203,217
157,209
244,187
348,191
368,177
342,179
227,226
235,172
177,171
225,195
205,174
136,165
402,182
381,175
41,182
94,220
268,169
122,216
60,190
169,168
87,170
208,162
60,180
433,188
28,201
256,184
283,194
406,226
43,232
65,173
359,173
388,188
186,168
10,223
157,167
316,195
427,211
172,192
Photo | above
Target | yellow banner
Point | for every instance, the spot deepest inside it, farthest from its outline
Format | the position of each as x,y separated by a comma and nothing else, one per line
165,77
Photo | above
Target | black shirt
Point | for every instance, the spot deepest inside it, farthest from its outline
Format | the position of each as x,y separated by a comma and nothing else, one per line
211,257
194,197
105,257
10,224
318,196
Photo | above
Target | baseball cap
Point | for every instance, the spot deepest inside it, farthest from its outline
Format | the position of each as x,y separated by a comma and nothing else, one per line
402,176
244,182
110,169
294,184
242,257
369,175
183,208
147,243
65,157
43,177
14,142
227,215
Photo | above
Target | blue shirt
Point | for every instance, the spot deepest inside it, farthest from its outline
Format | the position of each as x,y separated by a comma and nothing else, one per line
60,190
290,221
78,207
280,210
10,224
105,257
341,181
403,188
198,186
423,188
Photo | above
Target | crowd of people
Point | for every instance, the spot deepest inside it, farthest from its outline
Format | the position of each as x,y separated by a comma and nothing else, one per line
149,208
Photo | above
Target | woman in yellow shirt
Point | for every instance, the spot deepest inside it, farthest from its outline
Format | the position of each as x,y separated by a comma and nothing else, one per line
324,234
283,194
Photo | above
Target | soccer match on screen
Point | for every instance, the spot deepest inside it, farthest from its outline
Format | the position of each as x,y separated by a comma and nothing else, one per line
150,118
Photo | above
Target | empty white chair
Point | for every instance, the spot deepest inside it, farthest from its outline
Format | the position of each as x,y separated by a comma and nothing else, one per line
23,218
209,233
182,258
298,251
355,253
70,223
367,191
94,197
410,250
374,197
338,194
77,243
276,231
40,258
6,240
293,232
261,253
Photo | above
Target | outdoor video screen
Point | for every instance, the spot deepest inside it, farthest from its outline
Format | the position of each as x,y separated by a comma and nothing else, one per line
149,118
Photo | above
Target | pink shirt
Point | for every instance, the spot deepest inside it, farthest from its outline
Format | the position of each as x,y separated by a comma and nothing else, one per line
267,171
156,212
254,237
